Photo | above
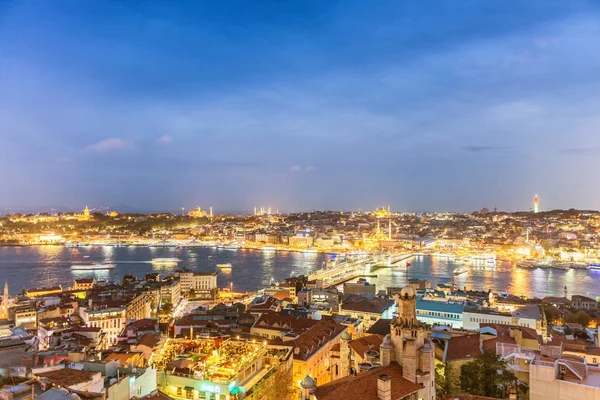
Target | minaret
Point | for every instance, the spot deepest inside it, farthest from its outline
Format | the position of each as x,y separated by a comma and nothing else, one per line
5,301
211,211
390,229
254,210
536,204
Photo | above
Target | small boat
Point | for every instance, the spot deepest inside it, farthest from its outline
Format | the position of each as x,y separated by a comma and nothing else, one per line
165,260
459,271
91,267
594,266
224,266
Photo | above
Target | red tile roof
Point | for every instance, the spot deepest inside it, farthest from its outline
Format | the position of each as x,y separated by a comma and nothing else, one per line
285,323
371,342
67,376
364,385
467,347
316,337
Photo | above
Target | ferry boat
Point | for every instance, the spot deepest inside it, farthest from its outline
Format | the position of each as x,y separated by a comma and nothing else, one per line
594,266
224,266
459,271
91,267
165,260
71,244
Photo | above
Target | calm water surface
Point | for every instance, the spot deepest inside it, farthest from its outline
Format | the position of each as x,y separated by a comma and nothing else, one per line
252,269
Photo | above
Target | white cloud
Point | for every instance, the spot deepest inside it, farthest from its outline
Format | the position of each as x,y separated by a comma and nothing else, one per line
108,145
295,168
165,139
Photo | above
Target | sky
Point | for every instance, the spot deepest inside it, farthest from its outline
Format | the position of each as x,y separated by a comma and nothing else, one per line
300,105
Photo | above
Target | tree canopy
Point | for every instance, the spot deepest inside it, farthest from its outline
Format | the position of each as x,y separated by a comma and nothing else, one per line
487,375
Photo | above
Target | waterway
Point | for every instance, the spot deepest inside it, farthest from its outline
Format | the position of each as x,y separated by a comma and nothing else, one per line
255,269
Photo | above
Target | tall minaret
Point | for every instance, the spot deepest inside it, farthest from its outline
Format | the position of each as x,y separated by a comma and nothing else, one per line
5,301
211,211
536,204
389,224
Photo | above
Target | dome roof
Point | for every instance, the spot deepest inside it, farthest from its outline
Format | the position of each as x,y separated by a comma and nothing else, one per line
426,348
407,292
308,382
346,336
387,342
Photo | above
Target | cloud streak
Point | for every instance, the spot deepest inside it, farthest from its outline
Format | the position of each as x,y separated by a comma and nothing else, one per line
109,145
480,149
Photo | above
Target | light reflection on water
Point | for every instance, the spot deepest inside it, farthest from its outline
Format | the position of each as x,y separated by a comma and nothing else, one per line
252,269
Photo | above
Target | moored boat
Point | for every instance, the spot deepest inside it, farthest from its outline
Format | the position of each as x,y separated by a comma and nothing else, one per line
91,267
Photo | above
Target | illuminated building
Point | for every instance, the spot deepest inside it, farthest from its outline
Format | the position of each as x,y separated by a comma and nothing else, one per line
536,204
4,310
110,320
31,293
204,284
262,211
199,212
85,216
225,370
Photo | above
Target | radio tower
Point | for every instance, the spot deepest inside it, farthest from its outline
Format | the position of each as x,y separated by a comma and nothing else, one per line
536,204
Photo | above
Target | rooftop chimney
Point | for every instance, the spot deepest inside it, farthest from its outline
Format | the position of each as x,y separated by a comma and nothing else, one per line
384,387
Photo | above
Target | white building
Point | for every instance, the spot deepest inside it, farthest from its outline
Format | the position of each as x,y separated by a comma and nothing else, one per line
528,316
568,378
204,284
110,320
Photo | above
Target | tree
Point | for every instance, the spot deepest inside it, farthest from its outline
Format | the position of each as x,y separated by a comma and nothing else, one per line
486,375
444,380
192,294
279,386
166,307
580,317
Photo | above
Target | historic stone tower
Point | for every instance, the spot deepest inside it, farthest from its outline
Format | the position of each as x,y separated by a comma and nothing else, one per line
409,345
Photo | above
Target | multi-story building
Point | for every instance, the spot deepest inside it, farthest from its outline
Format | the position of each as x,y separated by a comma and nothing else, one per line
568,378
315,351
139,307
440,313
321,298
170,292
527,316
24,315
369,311
40,292
583,303
110,320
84,283
203,284
361,287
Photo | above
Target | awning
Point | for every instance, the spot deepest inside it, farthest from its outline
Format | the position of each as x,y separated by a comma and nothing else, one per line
189,389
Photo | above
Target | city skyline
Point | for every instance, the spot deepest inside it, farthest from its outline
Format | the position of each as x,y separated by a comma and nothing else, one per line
299,106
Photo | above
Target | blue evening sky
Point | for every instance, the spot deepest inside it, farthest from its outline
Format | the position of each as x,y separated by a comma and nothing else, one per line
424,105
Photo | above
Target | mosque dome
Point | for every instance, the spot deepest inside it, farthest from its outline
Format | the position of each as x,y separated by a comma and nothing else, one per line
346,336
